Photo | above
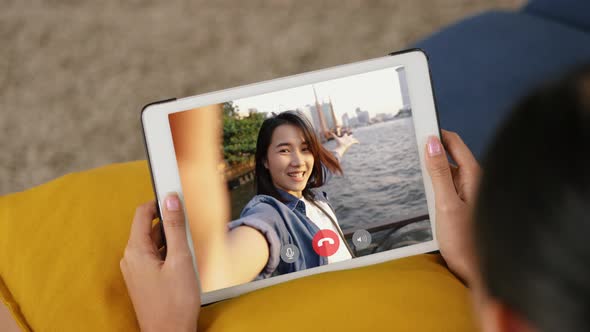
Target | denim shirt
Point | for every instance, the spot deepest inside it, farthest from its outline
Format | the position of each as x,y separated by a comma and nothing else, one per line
282,224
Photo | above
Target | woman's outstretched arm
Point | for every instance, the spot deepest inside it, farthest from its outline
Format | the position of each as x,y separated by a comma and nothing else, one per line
223,258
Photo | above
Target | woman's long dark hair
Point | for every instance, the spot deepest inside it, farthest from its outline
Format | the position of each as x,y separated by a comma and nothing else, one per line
321,155
532,219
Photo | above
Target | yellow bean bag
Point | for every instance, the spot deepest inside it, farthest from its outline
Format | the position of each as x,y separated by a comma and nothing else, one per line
61,242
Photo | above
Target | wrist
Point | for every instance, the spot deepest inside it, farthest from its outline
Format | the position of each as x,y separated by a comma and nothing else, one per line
464,271
170,326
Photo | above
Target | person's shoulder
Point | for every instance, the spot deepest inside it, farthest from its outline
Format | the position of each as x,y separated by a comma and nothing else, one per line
262,200
261,204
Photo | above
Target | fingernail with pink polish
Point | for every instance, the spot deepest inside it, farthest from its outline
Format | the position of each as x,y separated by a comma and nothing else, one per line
172,203
434,146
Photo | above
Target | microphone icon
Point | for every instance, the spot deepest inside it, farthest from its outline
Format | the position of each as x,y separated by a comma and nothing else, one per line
289,253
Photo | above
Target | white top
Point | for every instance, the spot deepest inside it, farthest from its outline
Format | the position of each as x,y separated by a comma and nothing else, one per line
323,222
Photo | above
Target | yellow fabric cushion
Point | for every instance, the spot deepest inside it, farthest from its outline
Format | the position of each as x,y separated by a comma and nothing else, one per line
411,294
61,242
60,246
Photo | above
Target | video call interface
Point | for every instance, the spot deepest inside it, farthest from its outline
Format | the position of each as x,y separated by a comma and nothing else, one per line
325,173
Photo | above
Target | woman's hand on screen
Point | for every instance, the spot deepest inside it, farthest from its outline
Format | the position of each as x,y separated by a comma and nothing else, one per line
455,188
343,143
164,292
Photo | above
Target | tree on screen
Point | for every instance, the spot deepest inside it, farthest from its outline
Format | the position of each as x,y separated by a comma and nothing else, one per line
239,134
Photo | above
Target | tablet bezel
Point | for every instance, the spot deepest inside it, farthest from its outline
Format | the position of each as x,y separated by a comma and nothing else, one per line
166,178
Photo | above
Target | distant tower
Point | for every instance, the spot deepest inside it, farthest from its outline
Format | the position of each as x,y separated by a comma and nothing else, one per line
323,129
307,112
333,114
327,111
345,120
403,84
362,116
313,115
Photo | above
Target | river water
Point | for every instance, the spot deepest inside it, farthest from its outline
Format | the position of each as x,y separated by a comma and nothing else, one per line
382,178
382,182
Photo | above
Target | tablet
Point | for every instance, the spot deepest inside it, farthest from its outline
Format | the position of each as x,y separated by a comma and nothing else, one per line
323,171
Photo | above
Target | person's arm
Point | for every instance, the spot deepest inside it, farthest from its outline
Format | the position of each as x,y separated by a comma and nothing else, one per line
223,258
241,257
7,323
455,189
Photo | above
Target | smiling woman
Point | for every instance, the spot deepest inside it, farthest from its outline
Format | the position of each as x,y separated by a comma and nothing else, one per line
289,160
286,151
289,209
287,212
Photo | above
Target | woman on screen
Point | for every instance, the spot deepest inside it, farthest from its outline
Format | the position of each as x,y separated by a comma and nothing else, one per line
289,209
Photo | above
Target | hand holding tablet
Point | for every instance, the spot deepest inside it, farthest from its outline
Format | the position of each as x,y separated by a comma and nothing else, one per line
455,188
161,288
303,198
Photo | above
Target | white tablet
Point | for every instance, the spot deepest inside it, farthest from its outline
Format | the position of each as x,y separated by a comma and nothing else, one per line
324,170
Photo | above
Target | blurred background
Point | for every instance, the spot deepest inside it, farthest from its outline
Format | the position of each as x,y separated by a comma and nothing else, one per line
76,75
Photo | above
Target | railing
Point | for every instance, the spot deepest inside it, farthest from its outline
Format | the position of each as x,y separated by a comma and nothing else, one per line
239,174
235,171
390,226
386,225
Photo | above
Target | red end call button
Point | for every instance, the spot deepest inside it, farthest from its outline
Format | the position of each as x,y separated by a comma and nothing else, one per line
326,242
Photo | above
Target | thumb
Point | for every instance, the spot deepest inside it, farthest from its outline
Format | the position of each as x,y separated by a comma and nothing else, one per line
174,226
440,171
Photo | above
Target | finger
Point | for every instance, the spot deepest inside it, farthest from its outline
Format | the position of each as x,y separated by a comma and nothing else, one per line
141,227
174,226
440,171
468,168
156,235
455,175
458,150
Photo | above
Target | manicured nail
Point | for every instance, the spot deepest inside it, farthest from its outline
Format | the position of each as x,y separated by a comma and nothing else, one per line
172,203
434,146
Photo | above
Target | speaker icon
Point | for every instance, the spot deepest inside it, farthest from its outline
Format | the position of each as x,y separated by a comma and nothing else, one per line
361,239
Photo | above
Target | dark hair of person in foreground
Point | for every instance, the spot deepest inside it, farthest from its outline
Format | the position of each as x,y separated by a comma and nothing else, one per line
532,219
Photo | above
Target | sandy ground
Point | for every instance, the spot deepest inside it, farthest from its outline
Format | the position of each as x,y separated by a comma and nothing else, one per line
75,75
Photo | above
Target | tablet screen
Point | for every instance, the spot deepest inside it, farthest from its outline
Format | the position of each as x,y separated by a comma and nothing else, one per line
320,174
